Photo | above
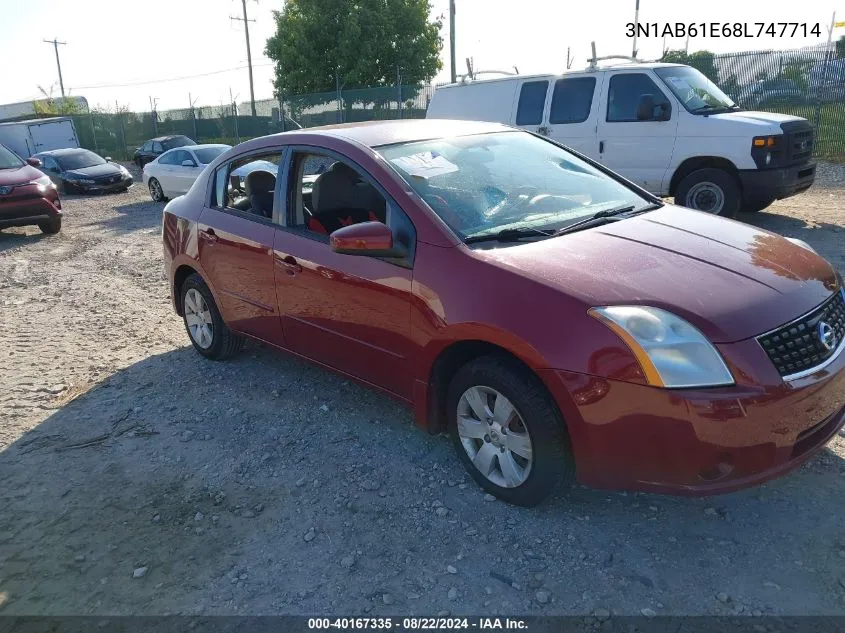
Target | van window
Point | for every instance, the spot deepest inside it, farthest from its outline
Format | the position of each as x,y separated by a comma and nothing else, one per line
572,99
532,99
624,95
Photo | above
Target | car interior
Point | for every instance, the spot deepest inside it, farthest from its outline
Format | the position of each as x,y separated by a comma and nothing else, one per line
333,197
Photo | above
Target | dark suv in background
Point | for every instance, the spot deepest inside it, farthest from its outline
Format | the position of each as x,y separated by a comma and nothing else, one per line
157,146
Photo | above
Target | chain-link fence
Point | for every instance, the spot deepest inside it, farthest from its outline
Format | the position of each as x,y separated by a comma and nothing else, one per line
809,83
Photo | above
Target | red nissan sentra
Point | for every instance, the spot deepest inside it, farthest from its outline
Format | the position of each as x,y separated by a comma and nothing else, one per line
560,322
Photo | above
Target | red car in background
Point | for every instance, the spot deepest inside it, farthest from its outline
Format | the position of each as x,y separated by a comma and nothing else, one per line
559,321
27,195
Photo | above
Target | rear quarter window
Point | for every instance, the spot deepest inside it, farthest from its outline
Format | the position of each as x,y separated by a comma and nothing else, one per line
572,100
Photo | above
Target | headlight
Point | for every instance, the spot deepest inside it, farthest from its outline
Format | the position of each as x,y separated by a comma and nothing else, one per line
44,181
802,244
671,351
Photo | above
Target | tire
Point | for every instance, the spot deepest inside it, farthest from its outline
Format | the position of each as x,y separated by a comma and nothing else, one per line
220,343
156,192
757,204
52,227
710,184
536,422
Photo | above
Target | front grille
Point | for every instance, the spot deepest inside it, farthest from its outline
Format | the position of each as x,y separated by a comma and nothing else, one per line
797,346
799,137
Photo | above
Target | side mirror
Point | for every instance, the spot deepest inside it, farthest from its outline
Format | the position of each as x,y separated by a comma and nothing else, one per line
34,162
188,163
373,239
645,108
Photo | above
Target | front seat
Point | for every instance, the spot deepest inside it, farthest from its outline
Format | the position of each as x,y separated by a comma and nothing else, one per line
340,199
260,188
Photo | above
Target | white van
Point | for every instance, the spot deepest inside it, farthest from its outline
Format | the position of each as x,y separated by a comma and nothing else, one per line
665,127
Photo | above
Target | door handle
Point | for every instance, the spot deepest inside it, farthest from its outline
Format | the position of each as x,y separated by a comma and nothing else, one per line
601,147
208,235
290,264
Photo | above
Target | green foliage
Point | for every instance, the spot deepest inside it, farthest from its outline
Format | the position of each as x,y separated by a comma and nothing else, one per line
356,43
56,106
797,70
840,48
703,61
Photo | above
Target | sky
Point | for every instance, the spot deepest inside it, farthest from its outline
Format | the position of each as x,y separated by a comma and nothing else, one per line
130,52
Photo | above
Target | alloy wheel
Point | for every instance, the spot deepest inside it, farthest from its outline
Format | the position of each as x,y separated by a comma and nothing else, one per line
156,191
494,436
198,318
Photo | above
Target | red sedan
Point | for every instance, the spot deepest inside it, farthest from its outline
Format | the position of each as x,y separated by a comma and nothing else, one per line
559,321
27,195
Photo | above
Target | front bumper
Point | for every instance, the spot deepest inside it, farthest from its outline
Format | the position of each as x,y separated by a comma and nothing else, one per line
120,185
778,183
699,441
31,210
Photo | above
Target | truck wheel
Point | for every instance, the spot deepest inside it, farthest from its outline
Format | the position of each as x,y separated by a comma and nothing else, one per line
756,204
710,190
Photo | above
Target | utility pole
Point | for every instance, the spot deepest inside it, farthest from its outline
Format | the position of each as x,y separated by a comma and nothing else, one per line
827,55
153,104
191,103
55,42
452,39
636,27
246,22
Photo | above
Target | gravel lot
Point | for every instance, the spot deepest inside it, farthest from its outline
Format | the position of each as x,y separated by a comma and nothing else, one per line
138,478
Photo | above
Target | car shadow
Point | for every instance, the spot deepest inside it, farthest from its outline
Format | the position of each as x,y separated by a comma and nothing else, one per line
180,485
20,236
133,216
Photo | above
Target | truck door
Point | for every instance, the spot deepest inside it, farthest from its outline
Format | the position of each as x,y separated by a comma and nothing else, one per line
573,112
639,148
53,135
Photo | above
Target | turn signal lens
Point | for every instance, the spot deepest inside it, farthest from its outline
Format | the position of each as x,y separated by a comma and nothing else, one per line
764,141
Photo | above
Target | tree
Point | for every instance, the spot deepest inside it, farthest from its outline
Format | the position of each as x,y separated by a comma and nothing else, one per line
840,48
703,61
56,106
320,44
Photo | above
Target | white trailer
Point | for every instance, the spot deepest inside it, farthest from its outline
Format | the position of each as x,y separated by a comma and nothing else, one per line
38,135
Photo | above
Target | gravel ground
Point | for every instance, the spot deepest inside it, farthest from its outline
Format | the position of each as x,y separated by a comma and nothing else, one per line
139,478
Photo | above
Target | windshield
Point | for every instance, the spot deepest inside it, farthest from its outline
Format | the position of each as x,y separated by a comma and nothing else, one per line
79,160
695,91
177,141
489,182
208,154
8,159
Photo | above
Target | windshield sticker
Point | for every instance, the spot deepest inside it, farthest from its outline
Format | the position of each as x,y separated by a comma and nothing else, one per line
425,165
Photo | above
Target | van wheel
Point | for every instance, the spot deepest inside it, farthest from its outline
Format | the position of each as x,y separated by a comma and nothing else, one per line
710,190
508,432
756,204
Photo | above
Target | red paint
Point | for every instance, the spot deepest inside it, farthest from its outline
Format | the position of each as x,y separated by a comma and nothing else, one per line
27,203
366,236
386,325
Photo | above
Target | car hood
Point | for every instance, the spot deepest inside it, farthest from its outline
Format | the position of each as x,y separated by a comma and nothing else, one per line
108,169
19,175
733,124
731,280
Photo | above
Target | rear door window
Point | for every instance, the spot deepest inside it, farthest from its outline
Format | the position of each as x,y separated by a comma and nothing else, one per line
572,100
532,100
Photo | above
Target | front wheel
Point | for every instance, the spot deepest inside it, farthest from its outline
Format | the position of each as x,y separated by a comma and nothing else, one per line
156,192
507,431
209,334
710,190
52,227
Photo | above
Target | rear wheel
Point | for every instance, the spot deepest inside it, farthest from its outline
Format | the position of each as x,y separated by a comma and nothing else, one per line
52,227
710,190
156,192
756,204
209,334
507,431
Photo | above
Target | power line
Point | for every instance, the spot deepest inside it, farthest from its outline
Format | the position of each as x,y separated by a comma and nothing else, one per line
246,22
158,81
55,42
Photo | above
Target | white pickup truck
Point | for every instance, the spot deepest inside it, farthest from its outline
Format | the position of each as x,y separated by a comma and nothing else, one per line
665,127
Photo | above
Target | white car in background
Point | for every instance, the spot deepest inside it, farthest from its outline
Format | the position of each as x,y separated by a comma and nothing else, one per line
172,174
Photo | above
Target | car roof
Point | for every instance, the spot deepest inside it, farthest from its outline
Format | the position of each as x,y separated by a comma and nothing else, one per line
199,146
377,133
63,152
168,137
